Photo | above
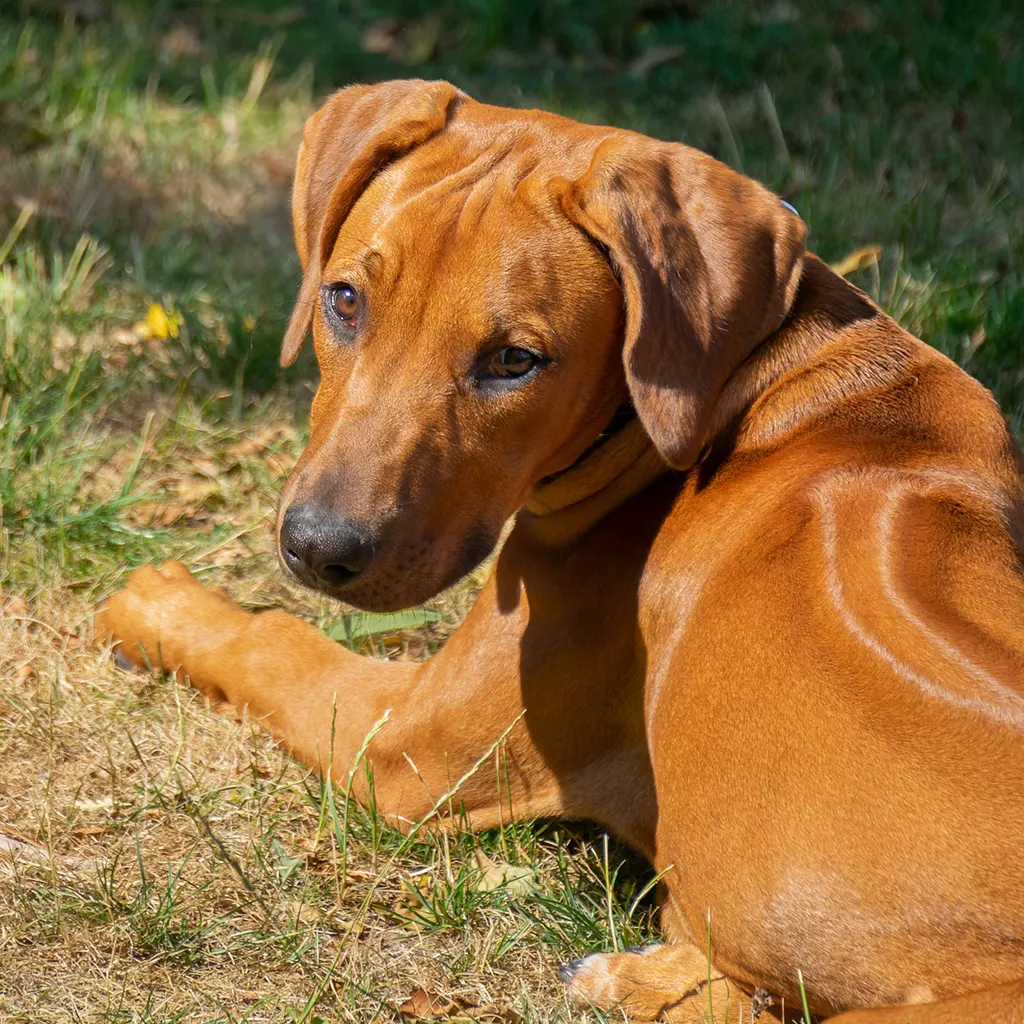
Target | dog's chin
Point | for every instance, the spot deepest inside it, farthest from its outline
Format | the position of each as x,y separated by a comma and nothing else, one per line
385,598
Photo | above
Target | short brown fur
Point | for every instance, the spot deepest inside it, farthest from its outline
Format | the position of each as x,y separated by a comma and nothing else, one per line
772,635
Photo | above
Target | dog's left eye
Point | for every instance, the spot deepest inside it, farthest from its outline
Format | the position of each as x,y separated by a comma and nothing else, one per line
511,362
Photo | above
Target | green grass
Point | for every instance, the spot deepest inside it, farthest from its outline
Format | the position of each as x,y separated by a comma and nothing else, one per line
186,870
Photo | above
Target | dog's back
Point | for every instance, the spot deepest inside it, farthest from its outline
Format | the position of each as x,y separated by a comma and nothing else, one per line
835,701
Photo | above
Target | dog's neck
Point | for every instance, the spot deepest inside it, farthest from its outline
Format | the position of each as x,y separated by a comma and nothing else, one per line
620,463
760,404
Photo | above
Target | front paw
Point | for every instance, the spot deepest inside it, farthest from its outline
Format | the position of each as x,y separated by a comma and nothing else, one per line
151,620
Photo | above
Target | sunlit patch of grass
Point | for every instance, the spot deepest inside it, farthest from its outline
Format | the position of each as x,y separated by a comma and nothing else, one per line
174,841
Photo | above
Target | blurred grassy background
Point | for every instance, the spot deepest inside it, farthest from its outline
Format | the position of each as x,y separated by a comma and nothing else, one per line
168,865
164,133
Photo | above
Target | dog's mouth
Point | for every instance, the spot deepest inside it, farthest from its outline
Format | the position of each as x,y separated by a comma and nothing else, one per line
408,571
405,574
621,418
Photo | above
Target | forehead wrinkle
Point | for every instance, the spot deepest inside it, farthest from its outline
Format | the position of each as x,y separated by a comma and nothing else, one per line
477,181
454,230
361,256
497,164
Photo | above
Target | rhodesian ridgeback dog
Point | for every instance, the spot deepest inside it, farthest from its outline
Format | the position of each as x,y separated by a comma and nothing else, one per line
761,613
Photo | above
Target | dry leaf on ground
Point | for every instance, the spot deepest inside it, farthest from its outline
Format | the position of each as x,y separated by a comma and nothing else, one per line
260,442
298,912
428,1006
496,874
17,607
228,553
24,672
15,849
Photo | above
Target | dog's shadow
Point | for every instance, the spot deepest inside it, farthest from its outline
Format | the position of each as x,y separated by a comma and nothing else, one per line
583,662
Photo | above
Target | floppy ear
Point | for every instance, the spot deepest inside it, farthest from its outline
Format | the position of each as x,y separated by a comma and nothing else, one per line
709,263
344,144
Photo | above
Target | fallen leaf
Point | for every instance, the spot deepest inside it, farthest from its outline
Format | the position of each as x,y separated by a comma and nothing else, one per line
151,513
16,848
494,874
125,337
228,553
17,607
408,905
865,256
427,1006
356,875
23,673
266,438
105,803
205,466
299,912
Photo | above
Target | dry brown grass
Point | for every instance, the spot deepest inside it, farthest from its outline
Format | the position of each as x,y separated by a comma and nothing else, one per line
161,859
160,862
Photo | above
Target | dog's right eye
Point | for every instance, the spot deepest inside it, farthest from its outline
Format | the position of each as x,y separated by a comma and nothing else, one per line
345,301
342,301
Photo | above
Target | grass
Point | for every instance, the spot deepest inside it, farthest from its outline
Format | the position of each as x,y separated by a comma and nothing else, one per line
169,865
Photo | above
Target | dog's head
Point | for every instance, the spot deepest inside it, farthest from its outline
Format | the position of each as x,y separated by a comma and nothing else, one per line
487,287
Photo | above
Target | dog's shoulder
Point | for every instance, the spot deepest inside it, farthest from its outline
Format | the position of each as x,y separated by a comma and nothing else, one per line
857,381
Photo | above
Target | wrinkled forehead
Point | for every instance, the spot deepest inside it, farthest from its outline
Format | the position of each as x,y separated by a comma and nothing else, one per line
474,208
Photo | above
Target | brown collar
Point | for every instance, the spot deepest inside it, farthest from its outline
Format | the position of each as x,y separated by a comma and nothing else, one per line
620,464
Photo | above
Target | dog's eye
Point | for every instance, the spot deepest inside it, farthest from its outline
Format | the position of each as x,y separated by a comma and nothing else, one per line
511,362
344,301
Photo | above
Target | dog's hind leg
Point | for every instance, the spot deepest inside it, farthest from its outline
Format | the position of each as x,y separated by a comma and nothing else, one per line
672,982
1001,1005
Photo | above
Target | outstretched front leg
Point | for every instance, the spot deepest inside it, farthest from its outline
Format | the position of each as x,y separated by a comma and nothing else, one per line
321,701
282,671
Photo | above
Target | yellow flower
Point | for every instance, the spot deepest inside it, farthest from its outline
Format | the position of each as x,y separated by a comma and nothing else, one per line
160,324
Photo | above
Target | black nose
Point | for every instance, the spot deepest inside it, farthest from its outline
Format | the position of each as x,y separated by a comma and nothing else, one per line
324,549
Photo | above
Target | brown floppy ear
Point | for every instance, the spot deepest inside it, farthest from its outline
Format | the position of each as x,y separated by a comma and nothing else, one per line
709,262
344,144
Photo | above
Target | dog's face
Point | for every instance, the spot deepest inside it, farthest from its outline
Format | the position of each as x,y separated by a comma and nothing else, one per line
471,335
469,343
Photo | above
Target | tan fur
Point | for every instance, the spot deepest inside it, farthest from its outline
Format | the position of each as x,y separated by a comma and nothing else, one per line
792,675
